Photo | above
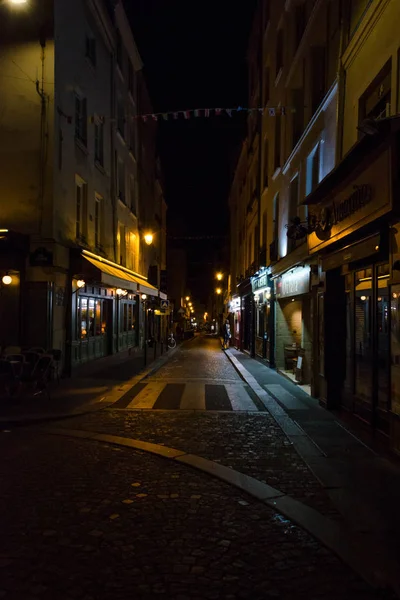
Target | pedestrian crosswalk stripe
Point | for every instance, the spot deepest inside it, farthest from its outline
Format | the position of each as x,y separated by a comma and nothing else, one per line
147,397
194,397
239,398
158,395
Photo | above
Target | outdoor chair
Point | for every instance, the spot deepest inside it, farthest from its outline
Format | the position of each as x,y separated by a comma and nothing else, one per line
8,381
31,358
38,350
57,355
17,361
38,379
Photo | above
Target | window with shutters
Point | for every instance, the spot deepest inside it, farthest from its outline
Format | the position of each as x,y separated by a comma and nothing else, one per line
81,119
318,76
313,168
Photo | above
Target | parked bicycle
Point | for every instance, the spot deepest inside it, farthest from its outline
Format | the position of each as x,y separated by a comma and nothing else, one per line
171,342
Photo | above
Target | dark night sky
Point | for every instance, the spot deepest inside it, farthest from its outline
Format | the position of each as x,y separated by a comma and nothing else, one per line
194,56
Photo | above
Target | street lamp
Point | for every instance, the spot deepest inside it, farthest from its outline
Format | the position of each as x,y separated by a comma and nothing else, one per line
148,238
7,279
218,291
187,298
80,283
18,1
219,276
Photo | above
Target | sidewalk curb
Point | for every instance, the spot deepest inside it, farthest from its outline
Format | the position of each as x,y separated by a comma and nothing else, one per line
98,404
303,444
327,532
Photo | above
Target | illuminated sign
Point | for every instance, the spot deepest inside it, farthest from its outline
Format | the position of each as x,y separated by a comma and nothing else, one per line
294,283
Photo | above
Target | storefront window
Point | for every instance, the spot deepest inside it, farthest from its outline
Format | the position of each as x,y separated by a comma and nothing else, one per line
91,314
395,348
261,321
363,335
383,349
92,317
83,314
98,317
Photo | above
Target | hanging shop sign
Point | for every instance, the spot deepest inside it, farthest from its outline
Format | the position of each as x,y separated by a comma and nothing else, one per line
293,283
235,304
41,258
260,282
365,199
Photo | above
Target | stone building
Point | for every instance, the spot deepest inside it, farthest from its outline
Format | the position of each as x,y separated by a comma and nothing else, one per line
70,203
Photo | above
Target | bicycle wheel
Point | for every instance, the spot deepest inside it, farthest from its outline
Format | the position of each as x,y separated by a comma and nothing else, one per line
172,343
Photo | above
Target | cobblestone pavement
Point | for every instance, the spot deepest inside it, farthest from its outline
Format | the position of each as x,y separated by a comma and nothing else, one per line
88,521
250,443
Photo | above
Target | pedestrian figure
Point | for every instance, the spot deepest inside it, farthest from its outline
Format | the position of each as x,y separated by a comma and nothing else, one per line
227,334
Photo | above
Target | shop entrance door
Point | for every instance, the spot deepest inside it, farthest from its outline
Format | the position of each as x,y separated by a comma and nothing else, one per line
366,386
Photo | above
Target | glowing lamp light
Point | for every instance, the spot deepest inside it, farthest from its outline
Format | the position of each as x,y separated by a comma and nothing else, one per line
219,291
7,279
219,276
363,298
144,296
148,238
80,283
18,1
119,292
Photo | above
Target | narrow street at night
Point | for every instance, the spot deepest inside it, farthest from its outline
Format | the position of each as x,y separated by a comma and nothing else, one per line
85,516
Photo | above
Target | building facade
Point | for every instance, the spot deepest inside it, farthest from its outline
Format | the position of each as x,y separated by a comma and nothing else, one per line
71,240
327,270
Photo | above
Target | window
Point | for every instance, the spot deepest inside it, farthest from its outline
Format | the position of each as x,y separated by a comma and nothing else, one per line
97,221
264,229
250,248
132,135
81,119
267,77
119,50
91,49
266,158
276,218
318,78
293,207
121,116
279,51
131,79
80,209
99,142
298,115
312,177
92,317
300,22
132,190
277,157
121,180
375,102
122,244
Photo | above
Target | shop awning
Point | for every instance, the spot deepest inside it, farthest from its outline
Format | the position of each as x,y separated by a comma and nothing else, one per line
120,277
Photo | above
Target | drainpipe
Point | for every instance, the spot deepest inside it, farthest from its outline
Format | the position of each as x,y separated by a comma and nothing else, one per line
43,133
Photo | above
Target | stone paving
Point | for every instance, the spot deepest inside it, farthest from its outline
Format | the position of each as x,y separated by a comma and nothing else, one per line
250,443
89,521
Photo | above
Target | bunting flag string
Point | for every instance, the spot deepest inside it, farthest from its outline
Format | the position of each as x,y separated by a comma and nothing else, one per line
270,111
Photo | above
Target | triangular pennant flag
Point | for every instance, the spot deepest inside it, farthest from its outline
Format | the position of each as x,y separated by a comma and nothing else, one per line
197,112
283,110
218,111
271,112
261,110
229,111
176,115
144,118
206,112
155,117
186,114
239,108
165,116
